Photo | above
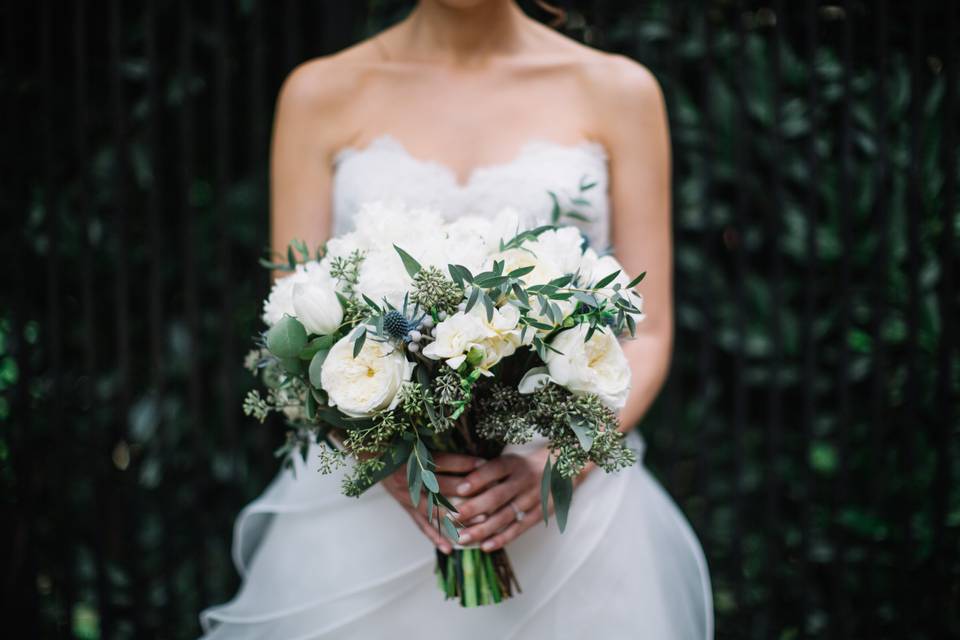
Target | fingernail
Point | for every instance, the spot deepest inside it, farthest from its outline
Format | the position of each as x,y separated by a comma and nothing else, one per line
463,488
465,538
487,546
480,518
479,463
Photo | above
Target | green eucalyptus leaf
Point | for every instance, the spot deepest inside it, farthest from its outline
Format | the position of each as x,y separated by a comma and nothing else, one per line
321,343
562,490
446,503
450,530
409,263
414,480
316,367
358,341
472,300
287,338
430,480
582,429
292,365
636,280
545,491
607,280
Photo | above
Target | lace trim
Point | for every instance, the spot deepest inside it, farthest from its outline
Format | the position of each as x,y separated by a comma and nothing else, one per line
388,142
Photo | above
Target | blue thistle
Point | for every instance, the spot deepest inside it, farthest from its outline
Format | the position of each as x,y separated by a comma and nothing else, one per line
396,325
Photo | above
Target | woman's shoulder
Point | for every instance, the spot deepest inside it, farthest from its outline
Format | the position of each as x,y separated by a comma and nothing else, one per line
321,90
326,80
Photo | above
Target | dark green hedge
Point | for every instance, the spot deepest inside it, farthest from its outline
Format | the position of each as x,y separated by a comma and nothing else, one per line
808,429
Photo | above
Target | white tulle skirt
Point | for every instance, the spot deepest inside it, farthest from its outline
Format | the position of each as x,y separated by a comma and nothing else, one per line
316,564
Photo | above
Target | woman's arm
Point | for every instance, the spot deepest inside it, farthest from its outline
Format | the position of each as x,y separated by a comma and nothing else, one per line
639,144
300,156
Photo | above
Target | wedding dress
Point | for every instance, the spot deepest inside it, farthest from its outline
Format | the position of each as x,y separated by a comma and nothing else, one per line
316,564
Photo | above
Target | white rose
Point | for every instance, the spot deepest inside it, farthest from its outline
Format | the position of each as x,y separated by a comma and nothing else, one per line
597,366
371,382
316,306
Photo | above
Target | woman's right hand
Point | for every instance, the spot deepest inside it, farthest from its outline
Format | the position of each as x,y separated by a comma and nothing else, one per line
450,469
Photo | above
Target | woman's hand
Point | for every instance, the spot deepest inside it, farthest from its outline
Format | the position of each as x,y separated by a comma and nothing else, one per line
450,468
499,492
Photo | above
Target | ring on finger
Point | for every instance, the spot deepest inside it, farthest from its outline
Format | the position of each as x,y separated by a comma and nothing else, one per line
516,510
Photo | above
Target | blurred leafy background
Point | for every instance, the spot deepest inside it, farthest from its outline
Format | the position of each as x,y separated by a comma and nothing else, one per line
809,426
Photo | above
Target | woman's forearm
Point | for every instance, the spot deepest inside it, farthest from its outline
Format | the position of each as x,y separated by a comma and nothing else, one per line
649,358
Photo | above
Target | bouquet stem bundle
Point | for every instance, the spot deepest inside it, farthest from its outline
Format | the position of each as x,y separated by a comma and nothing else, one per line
476,577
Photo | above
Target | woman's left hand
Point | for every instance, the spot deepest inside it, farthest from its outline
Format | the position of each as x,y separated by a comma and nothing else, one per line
502,499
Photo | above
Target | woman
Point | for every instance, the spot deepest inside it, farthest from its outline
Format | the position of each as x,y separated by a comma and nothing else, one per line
469,106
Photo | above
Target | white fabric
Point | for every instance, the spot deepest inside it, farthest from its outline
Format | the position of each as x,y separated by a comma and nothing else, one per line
316,564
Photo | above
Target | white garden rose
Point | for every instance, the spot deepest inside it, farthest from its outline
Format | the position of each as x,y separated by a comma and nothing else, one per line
597,366
316,306
371,382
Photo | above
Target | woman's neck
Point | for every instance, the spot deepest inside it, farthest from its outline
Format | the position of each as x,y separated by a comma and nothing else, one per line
468,36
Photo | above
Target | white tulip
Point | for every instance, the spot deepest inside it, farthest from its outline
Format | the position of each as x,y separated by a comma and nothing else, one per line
371,382
316,307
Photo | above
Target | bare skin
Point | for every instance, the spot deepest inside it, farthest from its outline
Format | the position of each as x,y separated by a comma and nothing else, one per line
466,83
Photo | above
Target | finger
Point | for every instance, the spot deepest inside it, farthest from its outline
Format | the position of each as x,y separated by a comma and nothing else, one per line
484,476
448,484
431,532
480,532
456,463
490,500
513,531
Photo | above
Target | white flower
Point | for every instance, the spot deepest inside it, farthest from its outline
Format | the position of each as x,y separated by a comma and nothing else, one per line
316,306
371,382
471,335
382,275
280,301
553,254
597,366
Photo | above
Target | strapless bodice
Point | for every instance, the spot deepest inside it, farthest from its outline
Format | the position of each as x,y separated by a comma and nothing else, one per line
385,170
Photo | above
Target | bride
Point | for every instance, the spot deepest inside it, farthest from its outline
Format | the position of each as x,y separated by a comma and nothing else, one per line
468,106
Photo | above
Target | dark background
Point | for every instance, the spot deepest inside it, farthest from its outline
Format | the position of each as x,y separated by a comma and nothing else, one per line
808,429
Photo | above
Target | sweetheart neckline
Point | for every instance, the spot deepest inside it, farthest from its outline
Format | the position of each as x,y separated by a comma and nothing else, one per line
532,145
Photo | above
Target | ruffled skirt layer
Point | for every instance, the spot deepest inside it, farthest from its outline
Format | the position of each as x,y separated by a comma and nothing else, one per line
316,564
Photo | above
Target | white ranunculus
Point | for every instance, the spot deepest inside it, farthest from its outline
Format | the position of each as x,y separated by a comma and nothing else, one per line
371,382
597,366
486,342
316,306
455,336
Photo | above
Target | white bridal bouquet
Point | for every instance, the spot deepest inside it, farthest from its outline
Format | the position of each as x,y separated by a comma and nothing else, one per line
411,335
